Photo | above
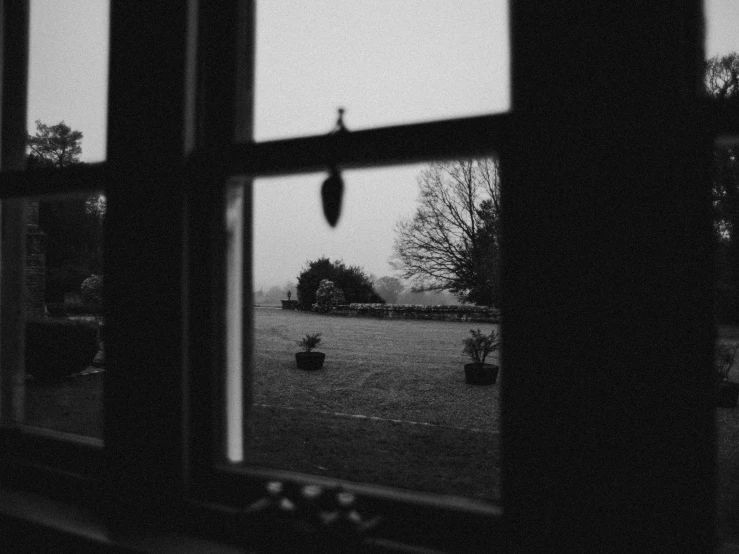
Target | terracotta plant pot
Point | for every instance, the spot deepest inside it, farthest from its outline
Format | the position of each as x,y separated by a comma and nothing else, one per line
727,394
480,374
310,360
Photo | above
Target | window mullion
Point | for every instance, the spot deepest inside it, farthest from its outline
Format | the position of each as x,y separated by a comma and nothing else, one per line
457,138
15,22
144,239
36,182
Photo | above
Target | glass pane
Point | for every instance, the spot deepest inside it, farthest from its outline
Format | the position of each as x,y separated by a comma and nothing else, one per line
68,70
390,405
722,17
385,62
725,188
61,387
727,422
722,45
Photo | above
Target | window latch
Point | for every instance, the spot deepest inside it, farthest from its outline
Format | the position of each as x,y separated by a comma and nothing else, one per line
332,190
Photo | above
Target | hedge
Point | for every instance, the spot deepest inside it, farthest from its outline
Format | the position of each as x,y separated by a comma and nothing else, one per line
414,311
60,309
56,348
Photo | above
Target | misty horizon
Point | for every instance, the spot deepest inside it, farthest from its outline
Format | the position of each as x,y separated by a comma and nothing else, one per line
307,66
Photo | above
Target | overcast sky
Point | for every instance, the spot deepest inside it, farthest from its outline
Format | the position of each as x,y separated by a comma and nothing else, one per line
384,61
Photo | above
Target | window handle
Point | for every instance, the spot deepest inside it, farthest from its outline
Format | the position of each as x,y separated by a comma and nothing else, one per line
332,192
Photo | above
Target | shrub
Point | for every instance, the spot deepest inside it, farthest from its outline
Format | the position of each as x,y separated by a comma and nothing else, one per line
59,347
309,342
92,289
328,295
352,281
478,346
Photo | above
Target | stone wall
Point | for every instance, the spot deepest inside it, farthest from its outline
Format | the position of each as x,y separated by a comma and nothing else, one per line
476,314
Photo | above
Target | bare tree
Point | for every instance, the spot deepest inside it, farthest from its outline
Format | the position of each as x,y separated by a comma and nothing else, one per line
452,240
722,76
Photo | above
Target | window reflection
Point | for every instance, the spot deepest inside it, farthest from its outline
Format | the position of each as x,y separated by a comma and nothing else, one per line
65,323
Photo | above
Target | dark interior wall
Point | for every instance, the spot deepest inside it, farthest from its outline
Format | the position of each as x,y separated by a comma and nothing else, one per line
21,536
607,329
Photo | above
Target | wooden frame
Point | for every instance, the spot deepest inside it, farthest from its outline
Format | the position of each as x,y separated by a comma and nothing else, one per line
579,149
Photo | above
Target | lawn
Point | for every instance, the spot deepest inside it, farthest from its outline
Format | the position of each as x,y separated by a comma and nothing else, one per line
390,407
399,369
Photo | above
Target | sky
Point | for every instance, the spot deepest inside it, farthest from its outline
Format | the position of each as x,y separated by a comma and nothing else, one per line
384,61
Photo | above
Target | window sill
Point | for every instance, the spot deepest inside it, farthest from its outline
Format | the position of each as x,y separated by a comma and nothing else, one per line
36,521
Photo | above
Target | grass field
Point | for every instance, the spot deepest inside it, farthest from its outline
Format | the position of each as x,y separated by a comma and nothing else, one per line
400,369
390,405
421,428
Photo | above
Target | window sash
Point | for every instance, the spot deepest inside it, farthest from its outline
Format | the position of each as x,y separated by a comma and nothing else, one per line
214,151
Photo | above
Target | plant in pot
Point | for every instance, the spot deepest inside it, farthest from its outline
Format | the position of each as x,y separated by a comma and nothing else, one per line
478,346
727,391
308,359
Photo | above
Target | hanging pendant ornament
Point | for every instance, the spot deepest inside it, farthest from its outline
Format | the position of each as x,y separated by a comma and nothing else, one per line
332,190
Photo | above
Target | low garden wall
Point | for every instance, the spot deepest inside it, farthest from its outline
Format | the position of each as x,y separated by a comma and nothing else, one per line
413,311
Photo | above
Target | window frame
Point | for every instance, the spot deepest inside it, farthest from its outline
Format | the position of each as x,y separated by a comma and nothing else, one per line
230,152
42,460
188,138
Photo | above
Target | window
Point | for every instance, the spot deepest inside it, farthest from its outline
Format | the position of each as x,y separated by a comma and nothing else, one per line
606,426
387,64
295,156
390,405
44,426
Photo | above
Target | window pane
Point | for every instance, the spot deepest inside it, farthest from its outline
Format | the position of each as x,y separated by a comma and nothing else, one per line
61,387
390,404
68,69
722,17
725,187
727,422
385,62
722,44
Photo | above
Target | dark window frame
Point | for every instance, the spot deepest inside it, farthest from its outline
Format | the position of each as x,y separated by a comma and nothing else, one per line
159,454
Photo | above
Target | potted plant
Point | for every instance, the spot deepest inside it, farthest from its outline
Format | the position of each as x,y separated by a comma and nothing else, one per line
727,391
308,359
477,347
